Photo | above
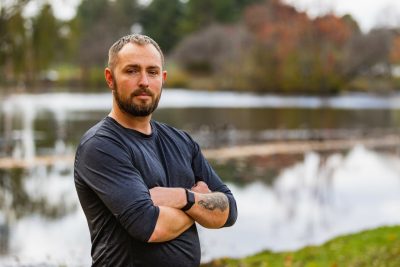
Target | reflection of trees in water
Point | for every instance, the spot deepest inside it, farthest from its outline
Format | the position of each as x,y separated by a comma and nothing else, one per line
307,198
32,191
21,197
266,169
218,135
302,185
21,202
226,134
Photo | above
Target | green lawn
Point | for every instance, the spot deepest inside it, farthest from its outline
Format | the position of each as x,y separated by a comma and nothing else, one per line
372,248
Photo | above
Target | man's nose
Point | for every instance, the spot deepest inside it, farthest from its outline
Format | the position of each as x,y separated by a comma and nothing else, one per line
144,81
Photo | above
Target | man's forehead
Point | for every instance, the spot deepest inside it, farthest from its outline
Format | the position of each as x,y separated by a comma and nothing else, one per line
135,52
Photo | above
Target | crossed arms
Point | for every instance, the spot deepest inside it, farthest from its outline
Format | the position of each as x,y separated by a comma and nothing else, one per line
211,210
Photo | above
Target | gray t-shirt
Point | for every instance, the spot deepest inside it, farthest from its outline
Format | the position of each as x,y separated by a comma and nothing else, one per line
114,169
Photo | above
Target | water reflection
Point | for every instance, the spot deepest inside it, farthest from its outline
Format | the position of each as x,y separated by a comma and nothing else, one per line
309,202
42,192
38,124
284,201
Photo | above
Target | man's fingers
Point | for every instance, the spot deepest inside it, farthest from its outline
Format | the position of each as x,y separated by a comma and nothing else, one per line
201,187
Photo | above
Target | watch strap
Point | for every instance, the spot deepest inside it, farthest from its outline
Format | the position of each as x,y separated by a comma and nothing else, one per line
190,200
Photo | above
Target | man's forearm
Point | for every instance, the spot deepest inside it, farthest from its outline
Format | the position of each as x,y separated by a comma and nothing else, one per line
173,197
211,210
170,224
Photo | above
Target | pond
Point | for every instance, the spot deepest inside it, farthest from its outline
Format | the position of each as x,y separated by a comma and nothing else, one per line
310,200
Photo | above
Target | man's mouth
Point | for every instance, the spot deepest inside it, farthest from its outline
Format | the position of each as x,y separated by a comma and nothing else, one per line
142,92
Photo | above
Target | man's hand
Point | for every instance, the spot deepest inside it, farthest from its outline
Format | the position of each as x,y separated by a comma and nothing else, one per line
201,187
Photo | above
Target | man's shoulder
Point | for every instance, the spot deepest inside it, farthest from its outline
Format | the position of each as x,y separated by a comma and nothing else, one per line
171,131
100,132
101,139
164,127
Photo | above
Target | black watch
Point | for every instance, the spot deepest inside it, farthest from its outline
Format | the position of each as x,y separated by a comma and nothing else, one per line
190,200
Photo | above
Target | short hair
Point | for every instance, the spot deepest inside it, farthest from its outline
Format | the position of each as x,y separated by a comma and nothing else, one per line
138,39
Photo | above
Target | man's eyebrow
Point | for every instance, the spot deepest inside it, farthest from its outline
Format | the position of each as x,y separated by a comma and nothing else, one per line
153,67
132,66
139,66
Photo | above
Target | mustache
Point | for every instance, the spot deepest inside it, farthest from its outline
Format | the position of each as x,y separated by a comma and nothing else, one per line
141,91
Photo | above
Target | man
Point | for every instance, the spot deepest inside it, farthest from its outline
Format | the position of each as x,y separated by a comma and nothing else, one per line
143,184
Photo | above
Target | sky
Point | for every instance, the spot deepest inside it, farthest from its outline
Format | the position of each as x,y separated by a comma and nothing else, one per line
368,13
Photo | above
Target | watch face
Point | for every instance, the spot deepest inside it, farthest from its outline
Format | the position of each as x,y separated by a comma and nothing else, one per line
190,200
190,197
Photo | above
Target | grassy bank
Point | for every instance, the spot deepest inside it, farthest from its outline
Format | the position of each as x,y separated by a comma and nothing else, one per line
372,248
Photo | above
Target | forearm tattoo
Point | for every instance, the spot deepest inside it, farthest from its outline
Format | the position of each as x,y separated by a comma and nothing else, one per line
214,201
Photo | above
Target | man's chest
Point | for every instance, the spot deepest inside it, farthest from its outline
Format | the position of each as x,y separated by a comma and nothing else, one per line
162,164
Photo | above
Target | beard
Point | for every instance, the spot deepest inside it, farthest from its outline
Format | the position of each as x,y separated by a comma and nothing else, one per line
137,110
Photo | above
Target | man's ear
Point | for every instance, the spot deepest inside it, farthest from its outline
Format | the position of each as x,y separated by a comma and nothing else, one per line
164,76
109,78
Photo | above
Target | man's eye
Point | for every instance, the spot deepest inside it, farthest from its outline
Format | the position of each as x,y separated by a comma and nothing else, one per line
131,71
153,72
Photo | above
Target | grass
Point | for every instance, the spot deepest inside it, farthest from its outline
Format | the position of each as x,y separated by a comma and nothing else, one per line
373,248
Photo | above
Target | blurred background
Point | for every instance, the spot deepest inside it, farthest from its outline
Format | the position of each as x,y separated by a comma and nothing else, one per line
295,103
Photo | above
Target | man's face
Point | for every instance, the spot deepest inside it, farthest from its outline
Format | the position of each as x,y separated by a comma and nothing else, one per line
137,79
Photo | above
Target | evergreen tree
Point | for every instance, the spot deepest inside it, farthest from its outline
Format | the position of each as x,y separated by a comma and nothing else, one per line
202,13
101,22
13,41
126,13
44,38
161,20
17,46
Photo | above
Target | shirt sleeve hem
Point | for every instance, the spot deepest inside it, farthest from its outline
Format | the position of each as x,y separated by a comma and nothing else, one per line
153,226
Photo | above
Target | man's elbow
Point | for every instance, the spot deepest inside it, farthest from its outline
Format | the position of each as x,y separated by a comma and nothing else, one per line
230,221
158,235
170,224
154,238
212,223
233,214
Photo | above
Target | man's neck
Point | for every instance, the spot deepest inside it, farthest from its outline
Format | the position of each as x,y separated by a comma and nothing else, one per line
140,124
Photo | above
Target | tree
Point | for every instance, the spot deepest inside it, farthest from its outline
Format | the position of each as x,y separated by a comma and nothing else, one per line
201,13
161,20
44,38
281,39
365,51
274,48
101,22
13,42
93,20
352,24
125,14
307,55
330,36
217,52
17,49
